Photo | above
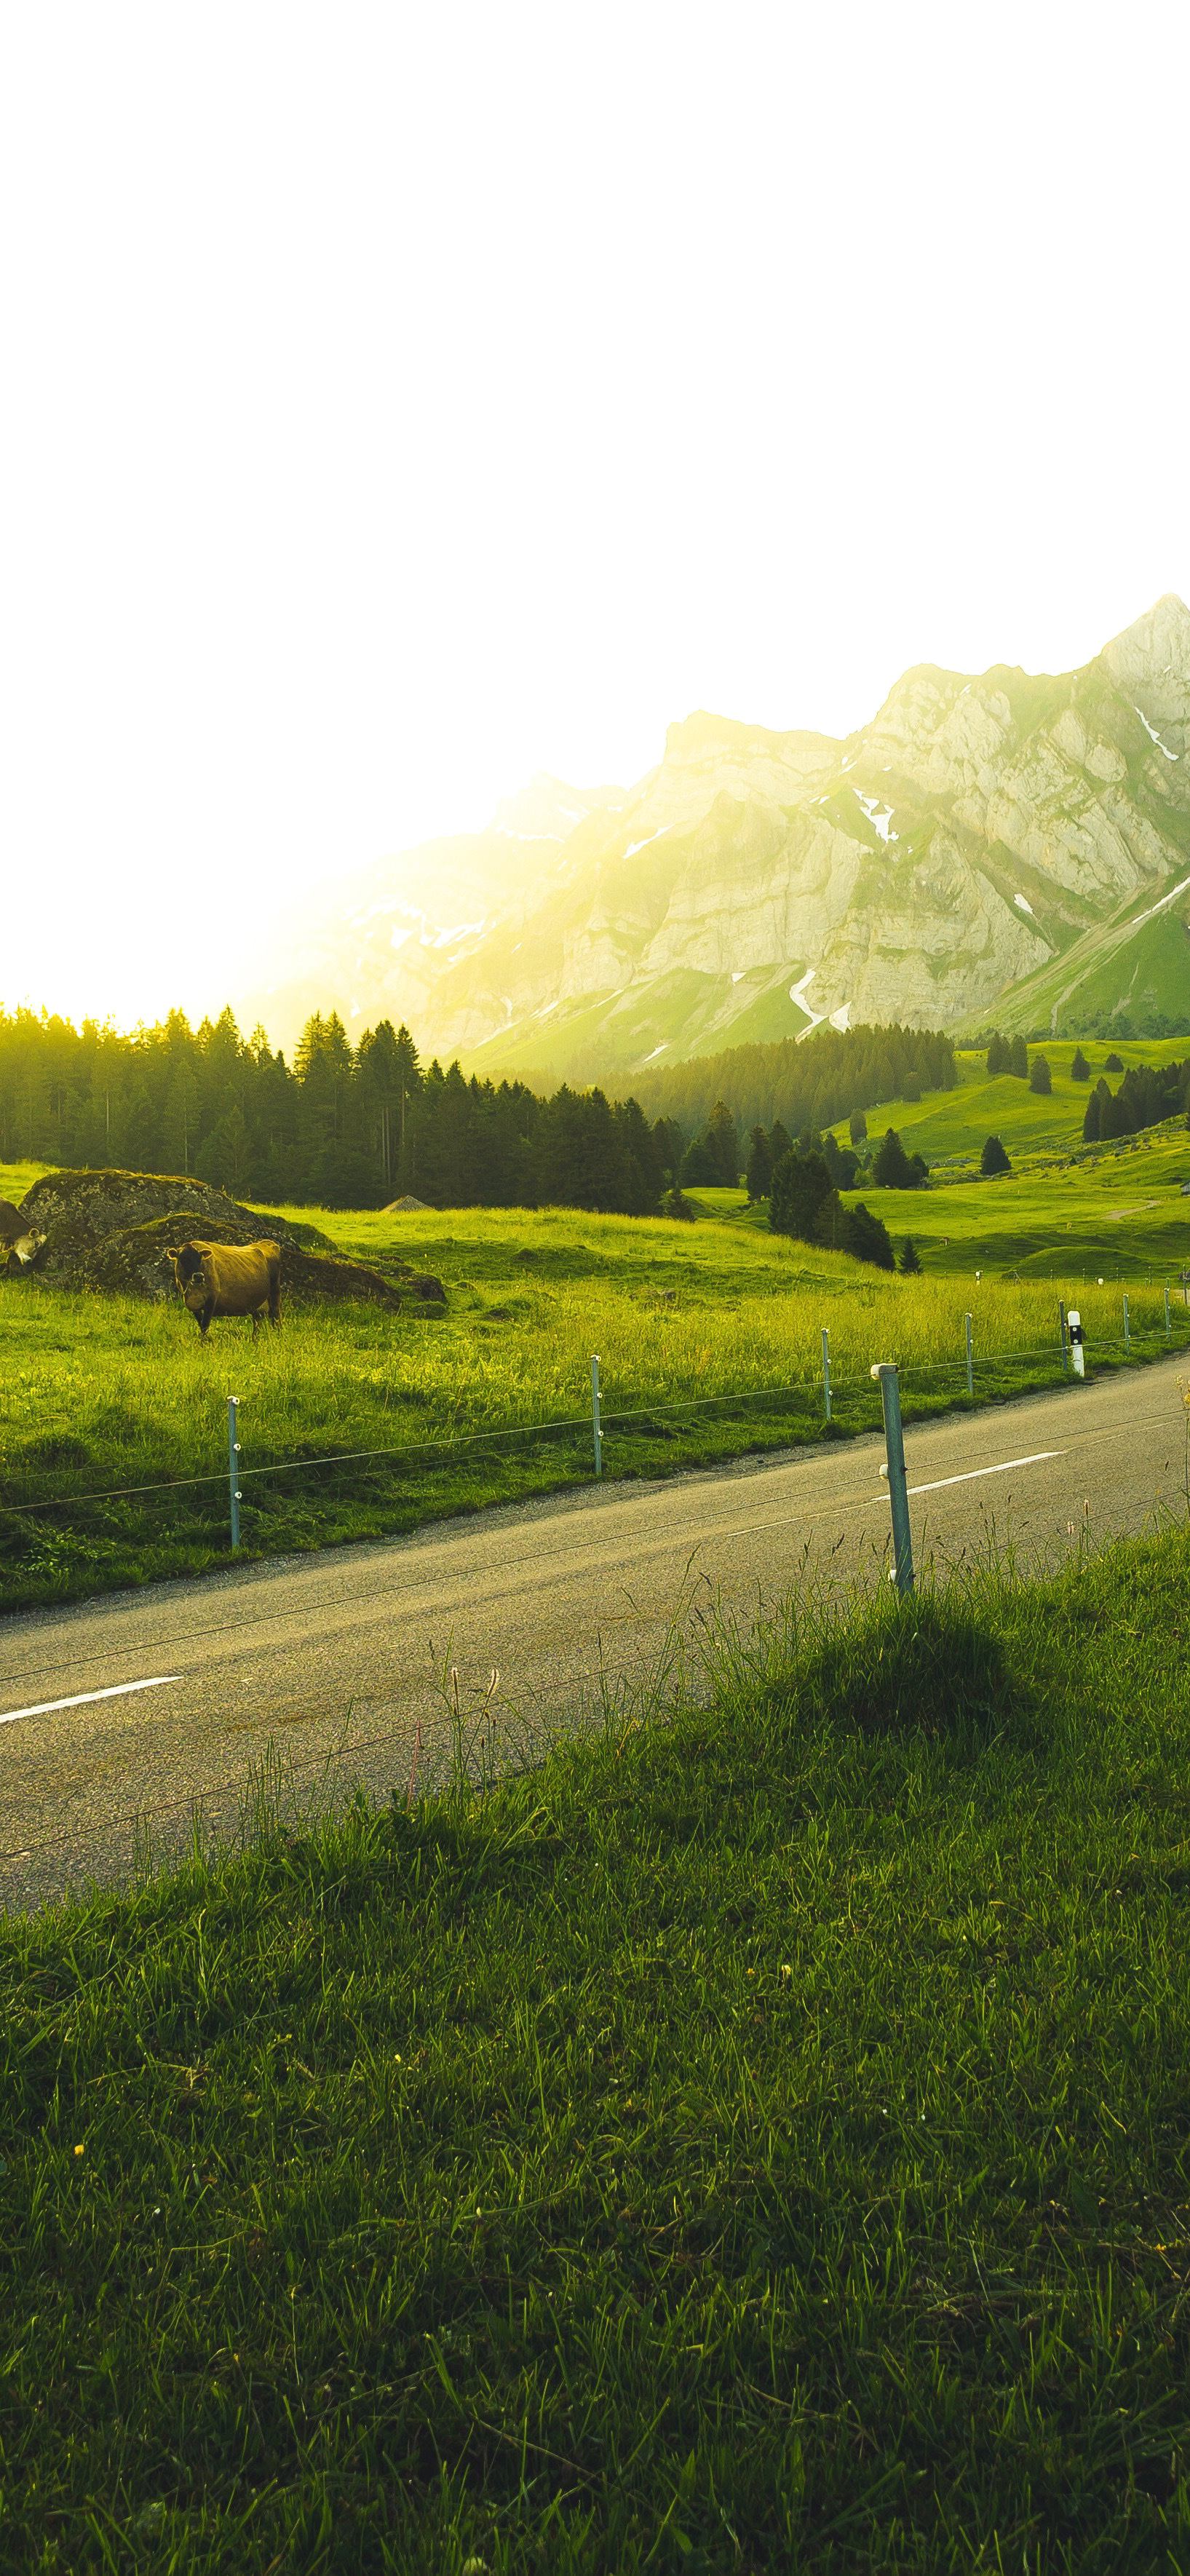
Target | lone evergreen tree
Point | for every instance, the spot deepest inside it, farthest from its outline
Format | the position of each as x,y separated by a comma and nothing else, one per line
868,1237
894,1169
760,1165
997,1058
993,1159
1018,1059
1080,1070
1040,1078
909,1262
803,1200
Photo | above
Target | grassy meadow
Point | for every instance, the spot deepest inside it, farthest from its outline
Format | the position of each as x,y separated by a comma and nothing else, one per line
709,1338
710,1344
755,2138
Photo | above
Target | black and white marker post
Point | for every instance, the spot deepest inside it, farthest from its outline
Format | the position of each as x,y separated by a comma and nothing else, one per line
885,1373
1074,1326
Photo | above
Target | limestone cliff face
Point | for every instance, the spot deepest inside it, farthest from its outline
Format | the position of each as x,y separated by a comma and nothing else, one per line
984,847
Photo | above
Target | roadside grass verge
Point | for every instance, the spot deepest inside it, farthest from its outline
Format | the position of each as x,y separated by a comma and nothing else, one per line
757,2137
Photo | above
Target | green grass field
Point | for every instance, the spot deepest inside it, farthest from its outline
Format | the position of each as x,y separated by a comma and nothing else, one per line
950,1126
1116,1213
709,1338
755,2139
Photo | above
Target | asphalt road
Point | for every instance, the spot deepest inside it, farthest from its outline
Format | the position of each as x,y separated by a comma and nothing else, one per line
324,1667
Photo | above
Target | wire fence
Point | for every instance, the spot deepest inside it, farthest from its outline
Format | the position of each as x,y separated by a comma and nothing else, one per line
635,1436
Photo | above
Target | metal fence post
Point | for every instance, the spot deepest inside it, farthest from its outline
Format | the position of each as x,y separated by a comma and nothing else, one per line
970,1361
1168,1325
596,1433
1127,1334
233,1465
885,1373
826,1371
1062,1335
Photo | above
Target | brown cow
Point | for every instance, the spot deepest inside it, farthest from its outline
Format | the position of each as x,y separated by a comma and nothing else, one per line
228,1279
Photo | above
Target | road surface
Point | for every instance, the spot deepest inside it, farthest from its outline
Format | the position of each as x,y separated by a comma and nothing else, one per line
153,1703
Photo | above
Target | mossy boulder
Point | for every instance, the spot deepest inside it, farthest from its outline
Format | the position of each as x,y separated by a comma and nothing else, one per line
78,1211
112,1230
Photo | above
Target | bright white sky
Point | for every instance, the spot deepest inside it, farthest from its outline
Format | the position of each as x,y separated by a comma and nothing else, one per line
399,399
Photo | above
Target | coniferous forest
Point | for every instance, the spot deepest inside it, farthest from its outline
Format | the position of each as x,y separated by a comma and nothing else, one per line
356,1126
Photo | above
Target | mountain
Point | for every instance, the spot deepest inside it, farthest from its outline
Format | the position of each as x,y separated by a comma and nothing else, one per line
1008,847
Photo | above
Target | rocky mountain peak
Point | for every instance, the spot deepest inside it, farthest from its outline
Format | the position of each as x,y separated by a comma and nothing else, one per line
548,810
1150,664
1001,845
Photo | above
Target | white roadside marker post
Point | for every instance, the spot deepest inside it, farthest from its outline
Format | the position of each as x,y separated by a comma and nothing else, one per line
596,1433
233,1466
1075,1325
885,1374
970,1361
826,1372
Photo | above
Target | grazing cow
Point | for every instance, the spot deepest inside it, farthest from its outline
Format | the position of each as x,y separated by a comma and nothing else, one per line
228,1279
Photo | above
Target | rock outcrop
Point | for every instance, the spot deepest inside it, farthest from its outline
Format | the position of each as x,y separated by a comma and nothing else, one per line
112,1230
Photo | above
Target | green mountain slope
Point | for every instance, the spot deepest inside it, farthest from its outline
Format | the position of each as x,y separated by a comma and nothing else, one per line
1009,848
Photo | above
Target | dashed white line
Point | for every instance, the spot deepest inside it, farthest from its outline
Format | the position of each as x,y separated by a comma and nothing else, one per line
118,1690
974,1472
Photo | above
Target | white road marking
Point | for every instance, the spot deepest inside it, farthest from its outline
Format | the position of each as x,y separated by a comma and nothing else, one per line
119,1690
1001,1470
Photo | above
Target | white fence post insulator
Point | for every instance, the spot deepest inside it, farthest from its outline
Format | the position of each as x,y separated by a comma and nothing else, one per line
970,1360
1127,1334
1168,1325
885,1374
596,1432
233,1466
1074,1324
826,1372
1062,1334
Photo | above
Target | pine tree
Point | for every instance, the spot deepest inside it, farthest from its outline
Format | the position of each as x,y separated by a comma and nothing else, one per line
760,1165
723,1145
803,1201
1093,1119
1040,1078
893,1168
857,1128
670,1144
997,1057
1018,1059
868,1238
1080,1070
909,1263
993,1159
840,1162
